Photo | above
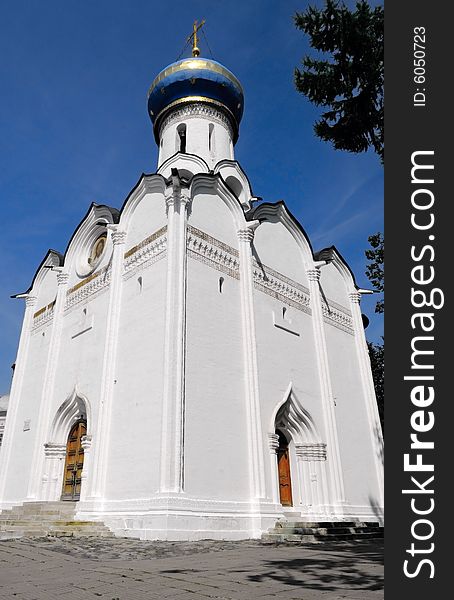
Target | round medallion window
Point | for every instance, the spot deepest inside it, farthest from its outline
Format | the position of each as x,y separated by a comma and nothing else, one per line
97,250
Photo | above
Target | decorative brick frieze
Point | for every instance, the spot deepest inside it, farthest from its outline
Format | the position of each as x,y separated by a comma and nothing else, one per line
333,314
43,316
213,252
338,316
146,253
89,287
282,288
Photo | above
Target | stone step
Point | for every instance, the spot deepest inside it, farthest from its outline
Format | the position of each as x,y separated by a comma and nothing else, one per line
276,537
322,531
326,524
31,516
28,511
55,522
41,519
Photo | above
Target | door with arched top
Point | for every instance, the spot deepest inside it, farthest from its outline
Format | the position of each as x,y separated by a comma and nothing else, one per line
283,465
74,463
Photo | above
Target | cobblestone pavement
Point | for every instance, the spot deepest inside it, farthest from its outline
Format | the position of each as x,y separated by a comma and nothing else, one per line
125,569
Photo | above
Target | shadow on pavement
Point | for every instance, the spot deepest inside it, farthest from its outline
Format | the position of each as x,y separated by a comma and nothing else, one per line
324,567
330,568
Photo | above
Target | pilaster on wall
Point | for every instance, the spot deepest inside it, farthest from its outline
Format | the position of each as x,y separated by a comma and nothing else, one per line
47,395
369,391
336,483
55,455
16,389
254,422
311,463
96,477
173,401
86,443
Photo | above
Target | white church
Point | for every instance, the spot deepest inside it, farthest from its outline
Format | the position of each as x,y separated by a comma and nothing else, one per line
191,367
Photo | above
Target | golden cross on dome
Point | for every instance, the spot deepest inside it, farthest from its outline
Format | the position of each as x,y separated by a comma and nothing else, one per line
193,37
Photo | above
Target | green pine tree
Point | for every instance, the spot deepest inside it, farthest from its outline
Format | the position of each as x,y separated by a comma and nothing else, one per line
347,79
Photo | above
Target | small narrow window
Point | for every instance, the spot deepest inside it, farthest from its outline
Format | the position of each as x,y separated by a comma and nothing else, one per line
181,137
221,283
211,137
139,285
284,310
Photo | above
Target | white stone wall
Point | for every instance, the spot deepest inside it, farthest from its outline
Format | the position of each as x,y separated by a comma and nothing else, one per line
198,333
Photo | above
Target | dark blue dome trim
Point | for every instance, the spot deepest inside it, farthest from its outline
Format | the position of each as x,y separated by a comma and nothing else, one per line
184,80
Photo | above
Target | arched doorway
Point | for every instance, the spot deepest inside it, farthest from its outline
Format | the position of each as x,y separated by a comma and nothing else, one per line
283,466
74,462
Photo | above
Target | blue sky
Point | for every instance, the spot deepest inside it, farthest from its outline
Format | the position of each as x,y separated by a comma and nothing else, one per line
75,129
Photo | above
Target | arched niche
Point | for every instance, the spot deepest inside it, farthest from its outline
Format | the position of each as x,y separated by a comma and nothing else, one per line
298,459
73,410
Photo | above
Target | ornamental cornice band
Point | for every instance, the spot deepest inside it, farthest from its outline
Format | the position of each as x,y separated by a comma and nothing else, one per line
146,253
93,285
150,239
213,252
338,316
282,288
43,316
197,109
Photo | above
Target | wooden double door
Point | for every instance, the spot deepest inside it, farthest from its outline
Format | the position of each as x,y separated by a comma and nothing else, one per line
283,466
74,463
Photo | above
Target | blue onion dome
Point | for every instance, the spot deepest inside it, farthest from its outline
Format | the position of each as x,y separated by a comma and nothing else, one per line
195,79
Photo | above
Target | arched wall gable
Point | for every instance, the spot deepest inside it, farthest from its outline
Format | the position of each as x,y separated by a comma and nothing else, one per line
44,283
215,210
336,278
281,243
42,276
144,211
187,164
236,180
93,225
